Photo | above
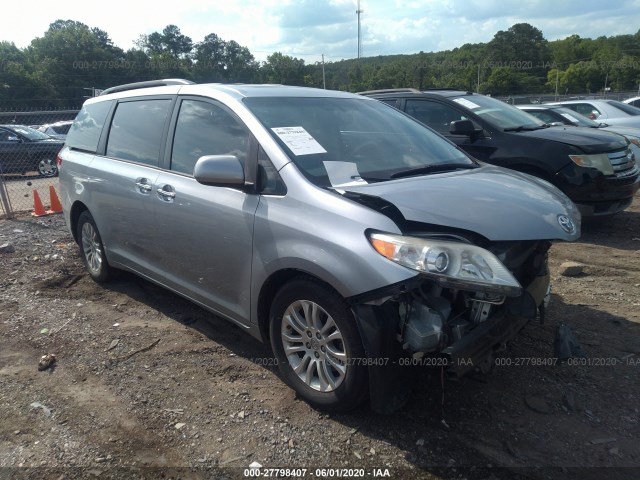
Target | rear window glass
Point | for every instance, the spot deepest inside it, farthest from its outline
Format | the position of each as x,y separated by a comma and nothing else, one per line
136,130
85,131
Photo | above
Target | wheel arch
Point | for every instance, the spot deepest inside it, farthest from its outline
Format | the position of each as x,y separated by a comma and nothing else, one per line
269,289
76,210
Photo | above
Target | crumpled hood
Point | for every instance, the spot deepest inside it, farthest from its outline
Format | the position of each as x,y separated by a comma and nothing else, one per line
589,140
497,203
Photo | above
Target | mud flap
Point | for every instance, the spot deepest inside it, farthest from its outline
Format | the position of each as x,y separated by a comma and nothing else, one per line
389,383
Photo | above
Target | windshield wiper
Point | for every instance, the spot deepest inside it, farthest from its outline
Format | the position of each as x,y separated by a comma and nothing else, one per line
522,128
438,167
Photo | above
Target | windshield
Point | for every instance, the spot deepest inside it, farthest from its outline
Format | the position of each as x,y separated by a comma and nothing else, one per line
339,141
626,108
497,113
575,118
30,133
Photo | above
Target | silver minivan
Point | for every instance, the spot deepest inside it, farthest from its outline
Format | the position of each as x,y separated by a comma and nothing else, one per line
355,240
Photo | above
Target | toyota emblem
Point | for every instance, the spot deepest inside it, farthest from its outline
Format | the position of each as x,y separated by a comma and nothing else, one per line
567,224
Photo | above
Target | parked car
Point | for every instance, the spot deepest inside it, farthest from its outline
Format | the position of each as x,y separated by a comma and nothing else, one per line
559,115
23,149
596,169
338,229
57,130
634,101
609,111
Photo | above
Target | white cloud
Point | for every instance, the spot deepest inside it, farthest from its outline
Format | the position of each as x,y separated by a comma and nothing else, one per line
308,28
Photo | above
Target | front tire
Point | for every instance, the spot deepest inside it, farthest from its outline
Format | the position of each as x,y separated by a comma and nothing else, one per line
317,345
92,249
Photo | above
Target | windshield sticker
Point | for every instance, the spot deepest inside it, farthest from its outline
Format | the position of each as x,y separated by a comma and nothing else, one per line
571,118
299,141
466,103
343,174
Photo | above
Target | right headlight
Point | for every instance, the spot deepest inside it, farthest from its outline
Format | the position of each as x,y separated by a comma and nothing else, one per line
452,264
598,161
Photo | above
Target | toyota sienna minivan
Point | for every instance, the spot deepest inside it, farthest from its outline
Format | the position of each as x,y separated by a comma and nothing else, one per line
347,234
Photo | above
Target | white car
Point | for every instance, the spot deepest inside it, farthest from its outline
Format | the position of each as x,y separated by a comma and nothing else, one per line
57,130
608,111
635,101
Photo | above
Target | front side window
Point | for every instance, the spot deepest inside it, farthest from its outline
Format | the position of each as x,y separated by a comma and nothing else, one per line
136,130
6,136
336,141
206,129
437,115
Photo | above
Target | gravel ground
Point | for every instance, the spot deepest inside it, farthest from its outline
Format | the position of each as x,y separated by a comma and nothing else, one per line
147,385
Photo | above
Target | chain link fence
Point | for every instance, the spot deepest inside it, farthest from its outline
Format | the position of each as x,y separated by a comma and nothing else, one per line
29,143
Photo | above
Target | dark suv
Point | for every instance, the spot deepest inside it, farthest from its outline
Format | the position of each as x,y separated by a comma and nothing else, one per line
596,169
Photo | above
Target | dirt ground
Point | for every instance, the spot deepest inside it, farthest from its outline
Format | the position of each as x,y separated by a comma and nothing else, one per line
147,385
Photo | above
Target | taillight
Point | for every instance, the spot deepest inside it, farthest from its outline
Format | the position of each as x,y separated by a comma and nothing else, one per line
58,160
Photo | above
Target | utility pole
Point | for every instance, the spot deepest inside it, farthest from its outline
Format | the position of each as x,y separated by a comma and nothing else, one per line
557,77
358,12
324,83
478,88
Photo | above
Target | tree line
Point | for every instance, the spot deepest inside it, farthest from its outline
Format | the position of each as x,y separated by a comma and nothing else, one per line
62,67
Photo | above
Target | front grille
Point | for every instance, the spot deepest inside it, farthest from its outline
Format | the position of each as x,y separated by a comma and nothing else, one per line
622,162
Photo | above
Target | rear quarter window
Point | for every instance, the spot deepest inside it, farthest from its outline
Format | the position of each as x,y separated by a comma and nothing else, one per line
85,132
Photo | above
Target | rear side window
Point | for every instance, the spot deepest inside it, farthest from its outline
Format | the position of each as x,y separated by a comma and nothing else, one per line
136,130
87,127
206,129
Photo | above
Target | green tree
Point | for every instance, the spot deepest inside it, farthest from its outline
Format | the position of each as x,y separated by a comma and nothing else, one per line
283,69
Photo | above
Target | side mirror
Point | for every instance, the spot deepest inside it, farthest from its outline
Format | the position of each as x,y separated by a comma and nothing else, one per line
13,139
463,127
219,171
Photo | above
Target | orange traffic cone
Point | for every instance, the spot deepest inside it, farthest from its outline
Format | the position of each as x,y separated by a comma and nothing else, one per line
55,203
38,209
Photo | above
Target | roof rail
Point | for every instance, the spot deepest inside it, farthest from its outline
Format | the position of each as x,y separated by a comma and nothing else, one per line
147,84
390,90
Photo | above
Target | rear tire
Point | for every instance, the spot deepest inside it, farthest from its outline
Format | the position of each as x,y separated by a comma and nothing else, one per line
316,342
47,167
92,249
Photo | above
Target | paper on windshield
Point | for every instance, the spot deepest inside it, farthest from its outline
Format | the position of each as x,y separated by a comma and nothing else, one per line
299,141
466,103
343,174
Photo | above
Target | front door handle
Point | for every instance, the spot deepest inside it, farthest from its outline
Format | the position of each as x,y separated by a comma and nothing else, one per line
166,194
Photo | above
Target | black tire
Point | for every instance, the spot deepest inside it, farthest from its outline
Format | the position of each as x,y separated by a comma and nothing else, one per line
47,167
314,350
92,249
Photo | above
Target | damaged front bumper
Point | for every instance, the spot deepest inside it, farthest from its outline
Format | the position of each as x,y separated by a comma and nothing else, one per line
476,347
390,380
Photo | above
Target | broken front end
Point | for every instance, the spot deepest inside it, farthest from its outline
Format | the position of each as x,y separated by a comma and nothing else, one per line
466,303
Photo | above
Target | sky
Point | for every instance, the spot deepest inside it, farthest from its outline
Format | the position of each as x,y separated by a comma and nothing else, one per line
308,29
